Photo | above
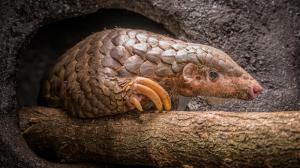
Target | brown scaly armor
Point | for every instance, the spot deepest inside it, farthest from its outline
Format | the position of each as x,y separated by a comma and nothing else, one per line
118,70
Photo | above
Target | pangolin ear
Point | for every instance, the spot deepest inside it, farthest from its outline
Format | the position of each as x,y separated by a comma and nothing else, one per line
189,71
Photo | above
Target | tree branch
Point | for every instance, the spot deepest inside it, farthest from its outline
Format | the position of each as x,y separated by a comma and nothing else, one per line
173,139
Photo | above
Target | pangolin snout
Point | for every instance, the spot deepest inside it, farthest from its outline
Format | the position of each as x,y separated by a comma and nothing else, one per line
251,87
254,91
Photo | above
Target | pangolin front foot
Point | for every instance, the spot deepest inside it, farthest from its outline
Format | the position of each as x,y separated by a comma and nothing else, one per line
146,87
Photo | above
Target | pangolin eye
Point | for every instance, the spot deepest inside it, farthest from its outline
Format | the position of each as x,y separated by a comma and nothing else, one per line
213,75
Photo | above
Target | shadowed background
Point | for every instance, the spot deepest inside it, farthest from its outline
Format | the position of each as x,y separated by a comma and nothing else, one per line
262,36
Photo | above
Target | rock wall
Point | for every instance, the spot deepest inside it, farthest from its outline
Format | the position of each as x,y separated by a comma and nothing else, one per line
263,36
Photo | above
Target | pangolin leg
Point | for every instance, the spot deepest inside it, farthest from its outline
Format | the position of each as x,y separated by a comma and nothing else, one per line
150,89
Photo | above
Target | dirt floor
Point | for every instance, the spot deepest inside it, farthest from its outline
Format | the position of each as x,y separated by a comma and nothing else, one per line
261,35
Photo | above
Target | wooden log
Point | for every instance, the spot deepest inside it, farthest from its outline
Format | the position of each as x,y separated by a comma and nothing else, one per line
173,139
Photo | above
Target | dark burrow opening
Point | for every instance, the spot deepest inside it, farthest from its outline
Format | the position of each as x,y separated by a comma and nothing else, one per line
52,40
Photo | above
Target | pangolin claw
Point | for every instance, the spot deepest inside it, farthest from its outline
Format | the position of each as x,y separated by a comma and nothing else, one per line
148,92
134,101
163,94
149,88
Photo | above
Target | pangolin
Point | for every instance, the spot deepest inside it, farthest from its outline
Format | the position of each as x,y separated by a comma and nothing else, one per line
118,70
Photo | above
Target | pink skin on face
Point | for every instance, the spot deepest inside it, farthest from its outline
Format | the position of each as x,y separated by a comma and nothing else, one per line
225,87
248,85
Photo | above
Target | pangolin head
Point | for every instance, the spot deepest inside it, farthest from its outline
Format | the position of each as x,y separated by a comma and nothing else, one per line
217,75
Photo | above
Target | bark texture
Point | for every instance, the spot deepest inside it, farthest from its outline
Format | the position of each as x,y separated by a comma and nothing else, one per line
174,139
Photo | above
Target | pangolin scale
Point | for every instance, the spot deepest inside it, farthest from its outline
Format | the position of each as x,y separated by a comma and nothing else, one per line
97,76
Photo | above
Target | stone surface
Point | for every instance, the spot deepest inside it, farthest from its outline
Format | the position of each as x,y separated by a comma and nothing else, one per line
262,36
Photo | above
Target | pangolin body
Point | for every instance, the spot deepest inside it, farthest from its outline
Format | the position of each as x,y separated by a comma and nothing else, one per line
94,78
